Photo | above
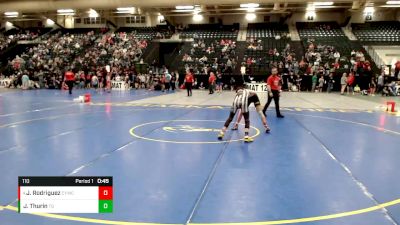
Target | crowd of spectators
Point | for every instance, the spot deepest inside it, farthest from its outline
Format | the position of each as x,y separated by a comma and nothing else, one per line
47,61
119,51
94,58
5,42
219,55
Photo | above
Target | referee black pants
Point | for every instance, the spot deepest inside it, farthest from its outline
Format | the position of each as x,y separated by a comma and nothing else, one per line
70,84
275,96
189,88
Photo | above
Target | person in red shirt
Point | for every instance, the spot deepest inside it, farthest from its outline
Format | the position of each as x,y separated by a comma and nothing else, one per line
274,87
69,79
189,79
350,83
397,68
211,83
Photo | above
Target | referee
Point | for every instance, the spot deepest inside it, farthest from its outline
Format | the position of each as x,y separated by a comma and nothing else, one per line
274,87
69,79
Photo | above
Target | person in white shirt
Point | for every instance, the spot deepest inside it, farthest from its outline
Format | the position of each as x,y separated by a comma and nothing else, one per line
203,59
243,69
95,81
336,55
142,80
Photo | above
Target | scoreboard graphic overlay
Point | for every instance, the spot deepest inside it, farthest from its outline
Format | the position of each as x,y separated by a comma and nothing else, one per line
65,194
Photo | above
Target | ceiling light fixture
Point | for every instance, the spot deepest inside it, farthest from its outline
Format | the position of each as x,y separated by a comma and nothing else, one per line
93,13
187,7
250,16
197,17
11,13
393,2
249,5
322,3
369,10
65,11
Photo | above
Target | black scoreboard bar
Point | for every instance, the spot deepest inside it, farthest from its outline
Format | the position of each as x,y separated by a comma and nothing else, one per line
65,181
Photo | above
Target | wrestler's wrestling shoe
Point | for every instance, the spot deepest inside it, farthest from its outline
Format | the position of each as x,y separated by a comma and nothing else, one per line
267,129
221,135
235,127
248,139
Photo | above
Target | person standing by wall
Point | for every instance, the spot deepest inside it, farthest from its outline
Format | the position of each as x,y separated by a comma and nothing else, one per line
381,83
397,69
189,79
350,83
372,86
343,83
331,83
321,82
219,82
177,79
314,81
274,86
95,82
167,81
173,81
25,81
211,83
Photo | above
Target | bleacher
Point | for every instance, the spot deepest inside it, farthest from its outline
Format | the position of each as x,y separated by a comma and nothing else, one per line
326,34
9,41
210,35
266,30
63,46
376,33
210,31
147,33
319,29
27,33
270,36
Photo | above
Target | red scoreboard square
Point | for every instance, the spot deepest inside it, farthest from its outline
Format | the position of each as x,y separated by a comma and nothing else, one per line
105,193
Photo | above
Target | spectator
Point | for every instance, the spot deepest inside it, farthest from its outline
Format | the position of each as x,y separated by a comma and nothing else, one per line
336,55
321,83
372,86
331,83
95,82
343,83
219,82
25,81
350,83
381,83
314,81
232,83
397,69
168,79
211,83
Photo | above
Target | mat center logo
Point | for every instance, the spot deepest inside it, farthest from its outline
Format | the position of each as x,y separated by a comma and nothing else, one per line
186,132
189,128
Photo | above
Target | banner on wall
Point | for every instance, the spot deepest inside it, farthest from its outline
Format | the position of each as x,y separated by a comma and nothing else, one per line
118,85
5,83
257,87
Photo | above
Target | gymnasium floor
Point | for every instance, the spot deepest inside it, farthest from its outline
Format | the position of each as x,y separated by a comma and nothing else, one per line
332,160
